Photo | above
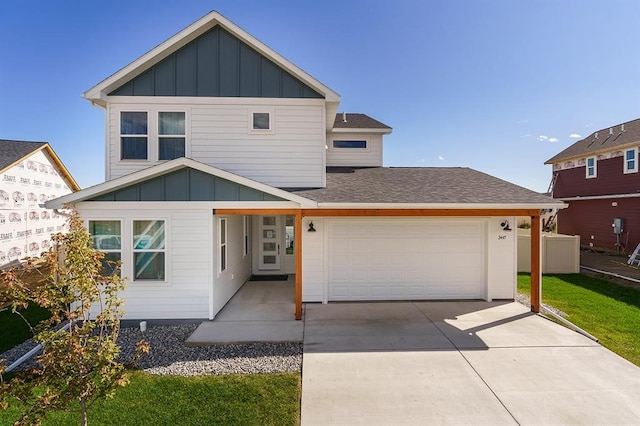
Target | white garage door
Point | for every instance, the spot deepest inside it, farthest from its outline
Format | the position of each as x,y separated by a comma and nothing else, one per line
406,259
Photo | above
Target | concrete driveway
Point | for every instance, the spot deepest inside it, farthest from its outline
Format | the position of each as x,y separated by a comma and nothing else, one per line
457,363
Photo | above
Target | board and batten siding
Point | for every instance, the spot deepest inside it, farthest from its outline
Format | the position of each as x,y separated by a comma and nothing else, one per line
371,156
186,291
218,133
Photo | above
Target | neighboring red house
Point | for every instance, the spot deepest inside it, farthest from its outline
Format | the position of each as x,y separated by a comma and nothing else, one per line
598,177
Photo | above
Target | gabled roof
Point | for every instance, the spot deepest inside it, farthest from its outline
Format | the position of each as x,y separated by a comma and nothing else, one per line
98,93
13,152
616,137
433,187
108,188
350,122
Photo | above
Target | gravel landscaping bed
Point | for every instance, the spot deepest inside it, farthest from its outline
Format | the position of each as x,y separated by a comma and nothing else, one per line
526,301
170,357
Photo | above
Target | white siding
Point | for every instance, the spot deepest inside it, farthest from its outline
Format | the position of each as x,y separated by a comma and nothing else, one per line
186,290
313,265
362,157
502,259
218,134
238,266
25,227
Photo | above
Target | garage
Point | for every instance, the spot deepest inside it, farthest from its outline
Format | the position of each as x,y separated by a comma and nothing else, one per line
406,259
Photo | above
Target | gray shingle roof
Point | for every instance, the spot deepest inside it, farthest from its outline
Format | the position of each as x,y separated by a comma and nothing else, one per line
357,121
428,185
604,142
12,151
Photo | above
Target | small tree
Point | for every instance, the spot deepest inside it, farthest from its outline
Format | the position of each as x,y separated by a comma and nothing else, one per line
78,365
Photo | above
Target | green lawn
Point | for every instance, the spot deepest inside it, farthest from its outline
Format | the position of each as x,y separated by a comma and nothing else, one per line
250,399
13,330
608,311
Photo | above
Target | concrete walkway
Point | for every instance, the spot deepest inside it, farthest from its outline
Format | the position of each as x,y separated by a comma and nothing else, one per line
261,311
457,363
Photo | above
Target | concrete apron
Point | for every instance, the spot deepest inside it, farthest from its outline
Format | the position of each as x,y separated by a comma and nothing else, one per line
457,363
261,311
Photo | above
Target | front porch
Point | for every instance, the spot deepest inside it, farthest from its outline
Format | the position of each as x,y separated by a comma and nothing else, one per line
259,312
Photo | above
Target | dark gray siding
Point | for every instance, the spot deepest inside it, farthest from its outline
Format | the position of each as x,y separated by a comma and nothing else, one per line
187,185
216,64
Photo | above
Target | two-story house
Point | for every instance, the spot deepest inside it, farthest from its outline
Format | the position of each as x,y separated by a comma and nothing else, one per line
598,178
31,173
225,160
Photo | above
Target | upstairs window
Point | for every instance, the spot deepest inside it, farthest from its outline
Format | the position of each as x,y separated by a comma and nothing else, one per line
133,136
591,167
261,121
350,144
171,135
631,161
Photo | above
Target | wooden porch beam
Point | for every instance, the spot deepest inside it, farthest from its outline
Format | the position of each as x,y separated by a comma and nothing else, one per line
265,212
536,268
297,244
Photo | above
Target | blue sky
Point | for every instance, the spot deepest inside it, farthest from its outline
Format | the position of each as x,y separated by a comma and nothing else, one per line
496,85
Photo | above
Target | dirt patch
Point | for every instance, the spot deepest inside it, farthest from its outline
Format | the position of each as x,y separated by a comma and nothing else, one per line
33,277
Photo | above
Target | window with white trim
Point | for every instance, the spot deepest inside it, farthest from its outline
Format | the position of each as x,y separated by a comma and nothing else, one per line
631,161
246,220
171,135
134,135
350,144
591,167
149,250
222,244
261,121
153,135
107,238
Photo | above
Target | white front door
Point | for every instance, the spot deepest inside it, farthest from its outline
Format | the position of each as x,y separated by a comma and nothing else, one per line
270,230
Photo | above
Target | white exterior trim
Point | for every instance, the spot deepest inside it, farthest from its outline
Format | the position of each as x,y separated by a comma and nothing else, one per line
359,130
599,197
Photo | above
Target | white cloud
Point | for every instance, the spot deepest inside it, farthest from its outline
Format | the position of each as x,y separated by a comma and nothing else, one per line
440,157
575,136
552,140
528,135
543,138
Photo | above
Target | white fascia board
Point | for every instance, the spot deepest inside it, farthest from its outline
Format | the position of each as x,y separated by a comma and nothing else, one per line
599,197
358,130
97,93
113,206
168,167
442,206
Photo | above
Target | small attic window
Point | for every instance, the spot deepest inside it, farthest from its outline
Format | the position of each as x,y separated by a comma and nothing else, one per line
350,144
261,121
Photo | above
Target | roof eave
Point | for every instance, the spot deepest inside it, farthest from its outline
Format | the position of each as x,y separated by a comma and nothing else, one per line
446,206
383,131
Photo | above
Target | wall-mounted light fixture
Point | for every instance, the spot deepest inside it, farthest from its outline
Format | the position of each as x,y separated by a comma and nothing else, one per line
505,225
311,228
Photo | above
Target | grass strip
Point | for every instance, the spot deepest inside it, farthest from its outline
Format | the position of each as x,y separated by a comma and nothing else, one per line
248,399
13,329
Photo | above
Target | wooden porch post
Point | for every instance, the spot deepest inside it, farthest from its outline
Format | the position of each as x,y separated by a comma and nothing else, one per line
297,243
536,270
